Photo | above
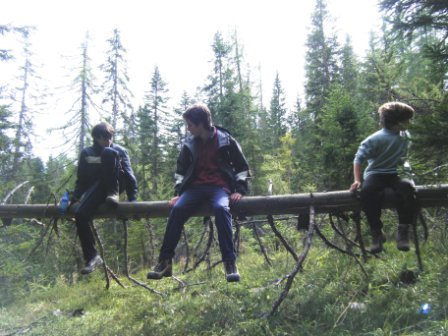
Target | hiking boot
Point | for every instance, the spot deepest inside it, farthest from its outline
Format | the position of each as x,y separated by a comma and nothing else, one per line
403,237
163,269
378,239
112,199
92,264
231,270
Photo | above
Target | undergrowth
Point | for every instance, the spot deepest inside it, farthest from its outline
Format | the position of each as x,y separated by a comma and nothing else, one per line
329,296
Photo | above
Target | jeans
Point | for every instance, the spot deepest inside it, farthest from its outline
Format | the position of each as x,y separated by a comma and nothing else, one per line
189,201
372,194
93,198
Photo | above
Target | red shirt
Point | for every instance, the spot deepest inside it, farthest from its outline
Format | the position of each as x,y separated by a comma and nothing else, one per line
207,170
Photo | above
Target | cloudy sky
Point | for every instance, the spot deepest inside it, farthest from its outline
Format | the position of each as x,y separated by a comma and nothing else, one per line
176,35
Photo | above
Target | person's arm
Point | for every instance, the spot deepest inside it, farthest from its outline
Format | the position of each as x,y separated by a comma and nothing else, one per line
131,181
242,172
80,184
182,164
357,177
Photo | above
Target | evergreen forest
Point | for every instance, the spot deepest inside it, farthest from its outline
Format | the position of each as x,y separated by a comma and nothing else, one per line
305,149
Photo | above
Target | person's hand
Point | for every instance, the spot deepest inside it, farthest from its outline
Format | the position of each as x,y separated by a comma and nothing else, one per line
173,201
235,197
355,186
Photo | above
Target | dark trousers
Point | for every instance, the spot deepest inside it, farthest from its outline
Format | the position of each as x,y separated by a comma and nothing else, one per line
188,202
372,194
93,198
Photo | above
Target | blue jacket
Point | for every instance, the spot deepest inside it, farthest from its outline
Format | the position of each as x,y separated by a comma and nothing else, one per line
231,162
89,171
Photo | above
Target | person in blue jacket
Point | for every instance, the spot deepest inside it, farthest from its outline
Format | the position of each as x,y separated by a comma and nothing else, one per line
211,168
384,151
104,170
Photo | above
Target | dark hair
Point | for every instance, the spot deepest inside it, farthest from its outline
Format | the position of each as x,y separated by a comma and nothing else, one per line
392,113
199,114
103,130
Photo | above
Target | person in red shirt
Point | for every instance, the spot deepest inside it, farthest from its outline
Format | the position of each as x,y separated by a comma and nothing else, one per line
210,168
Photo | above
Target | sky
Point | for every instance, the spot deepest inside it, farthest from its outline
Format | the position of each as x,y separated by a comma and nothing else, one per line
176,36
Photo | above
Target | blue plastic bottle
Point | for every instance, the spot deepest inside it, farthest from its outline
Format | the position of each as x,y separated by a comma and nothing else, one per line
63,204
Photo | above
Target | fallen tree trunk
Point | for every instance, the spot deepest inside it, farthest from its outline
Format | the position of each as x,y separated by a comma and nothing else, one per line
323,202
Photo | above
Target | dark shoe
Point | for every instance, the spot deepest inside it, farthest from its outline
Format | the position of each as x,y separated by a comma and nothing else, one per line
163,269
378,239
112,199
92,264
231,270
403,237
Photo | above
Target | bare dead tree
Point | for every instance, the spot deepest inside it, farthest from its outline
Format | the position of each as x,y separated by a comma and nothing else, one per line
107,270
126,261
281,238
298,265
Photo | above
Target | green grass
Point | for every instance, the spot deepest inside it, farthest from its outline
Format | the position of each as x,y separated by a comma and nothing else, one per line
331,296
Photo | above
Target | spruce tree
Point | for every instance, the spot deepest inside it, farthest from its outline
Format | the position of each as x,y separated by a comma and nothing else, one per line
411,18
153,121
321,63
76,130
277,123
117,96
24,130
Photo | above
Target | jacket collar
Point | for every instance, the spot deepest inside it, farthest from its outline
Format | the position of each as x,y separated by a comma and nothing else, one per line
222,134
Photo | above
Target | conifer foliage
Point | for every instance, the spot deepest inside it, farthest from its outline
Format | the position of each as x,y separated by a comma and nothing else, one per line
303,148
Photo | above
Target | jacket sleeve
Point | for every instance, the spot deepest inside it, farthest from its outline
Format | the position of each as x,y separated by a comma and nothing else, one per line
366,150
81,177
131,181
241,167
182,165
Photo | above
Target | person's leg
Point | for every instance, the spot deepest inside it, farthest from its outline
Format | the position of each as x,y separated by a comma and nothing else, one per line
179,214
219,201
87,206
405,198
372,193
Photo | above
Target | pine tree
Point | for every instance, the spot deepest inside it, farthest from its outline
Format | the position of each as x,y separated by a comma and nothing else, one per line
222,88
277,123
115,88
22,139
321,65
349,67
5,142
322,70
153,121
338,137
412,17
76,130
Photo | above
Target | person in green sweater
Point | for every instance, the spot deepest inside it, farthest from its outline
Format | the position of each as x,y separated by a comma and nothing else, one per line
384,151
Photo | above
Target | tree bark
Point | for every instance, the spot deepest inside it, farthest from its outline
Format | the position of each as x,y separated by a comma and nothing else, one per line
323,202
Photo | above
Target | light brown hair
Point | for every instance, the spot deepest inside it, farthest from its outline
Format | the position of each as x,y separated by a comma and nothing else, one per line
392,113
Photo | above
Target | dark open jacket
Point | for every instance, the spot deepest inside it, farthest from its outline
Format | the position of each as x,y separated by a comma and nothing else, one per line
231,162
89,171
